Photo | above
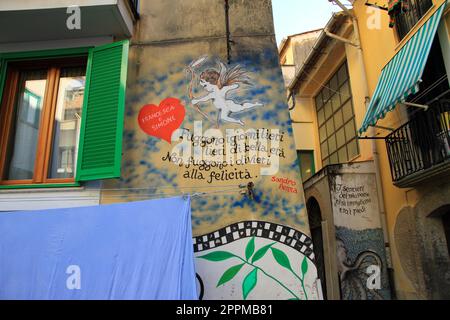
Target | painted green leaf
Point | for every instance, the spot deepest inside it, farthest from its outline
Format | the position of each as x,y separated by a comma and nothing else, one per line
294,299
250,249
281,258
304,266
218,256
261,252
230,274
249,283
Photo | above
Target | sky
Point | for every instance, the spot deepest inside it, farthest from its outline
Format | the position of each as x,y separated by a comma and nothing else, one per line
296,16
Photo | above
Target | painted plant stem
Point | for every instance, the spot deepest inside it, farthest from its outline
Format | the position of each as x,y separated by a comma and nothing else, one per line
268,275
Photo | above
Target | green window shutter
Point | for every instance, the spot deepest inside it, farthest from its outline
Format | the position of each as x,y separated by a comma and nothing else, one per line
100,147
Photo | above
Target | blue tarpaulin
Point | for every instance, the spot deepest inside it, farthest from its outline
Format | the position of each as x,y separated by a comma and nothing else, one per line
137,250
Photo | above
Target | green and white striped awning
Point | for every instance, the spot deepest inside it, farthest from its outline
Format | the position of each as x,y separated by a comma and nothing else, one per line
401,76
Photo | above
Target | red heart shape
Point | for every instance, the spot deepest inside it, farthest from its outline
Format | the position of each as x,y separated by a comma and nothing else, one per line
161,121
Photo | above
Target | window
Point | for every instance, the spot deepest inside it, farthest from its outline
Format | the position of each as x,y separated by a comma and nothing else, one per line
306,161
446,223
407,18
336,120
37,105
45,104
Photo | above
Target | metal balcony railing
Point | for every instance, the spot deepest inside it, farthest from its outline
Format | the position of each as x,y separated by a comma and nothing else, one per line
134,5
422,143
406,20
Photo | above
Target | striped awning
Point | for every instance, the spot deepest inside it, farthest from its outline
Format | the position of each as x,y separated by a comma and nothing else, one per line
401,76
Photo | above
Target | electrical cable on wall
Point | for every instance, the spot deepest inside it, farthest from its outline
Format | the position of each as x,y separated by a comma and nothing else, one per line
132,193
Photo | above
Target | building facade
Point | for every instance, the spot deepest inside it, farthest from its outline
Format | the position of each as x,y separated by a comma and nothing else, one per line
344,89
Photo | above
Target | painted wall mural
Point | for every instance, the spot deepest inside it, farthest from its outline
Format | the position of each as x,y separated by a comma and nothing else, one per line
220,132
219,85
257,253
360,253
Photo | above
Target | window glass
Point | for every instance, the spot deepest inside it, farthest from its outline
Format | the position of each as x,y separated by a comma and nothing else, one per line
330,127
323,133
30,103
40,138
340,137
328,110
321,116
332,144
352,149
67,122
307,168
336,101
338,119
325,94
334,84
324,149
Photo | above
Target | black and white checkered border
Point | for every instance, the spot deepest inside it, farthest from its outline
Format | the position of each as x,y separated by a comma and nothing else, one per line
262,229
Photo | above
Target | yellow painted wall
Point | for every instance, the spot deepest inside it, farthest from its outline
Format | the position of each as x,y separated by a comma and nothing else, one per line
379,46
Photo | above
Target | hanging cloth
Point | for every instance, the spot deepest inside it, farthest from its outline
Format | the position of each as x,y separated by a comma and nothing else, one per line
130,251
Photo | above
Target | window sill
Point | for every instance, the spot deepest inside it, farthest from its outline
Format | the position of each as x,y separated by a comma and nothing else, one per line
40,186
416,27
13,200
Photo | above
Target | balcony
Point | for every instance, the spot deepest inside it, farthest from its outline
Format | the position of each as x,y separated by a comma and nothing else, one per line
420,149
24,21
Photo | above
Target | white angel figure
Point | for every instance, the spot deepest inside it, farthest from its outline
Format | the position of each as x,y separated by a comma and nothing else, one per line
218,85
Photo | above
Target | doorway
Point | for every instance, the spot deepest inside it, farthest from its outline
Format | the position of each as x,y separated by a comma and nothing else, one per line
315,224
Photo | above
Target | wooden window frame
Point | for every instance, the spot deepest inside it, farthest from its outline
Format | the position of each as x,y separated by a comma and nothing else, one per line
46,128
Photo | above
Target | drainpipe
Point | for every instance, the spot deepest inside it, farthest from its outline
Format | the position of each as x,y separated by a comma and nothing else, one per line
335,36
376,157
